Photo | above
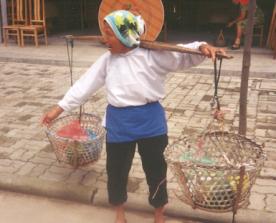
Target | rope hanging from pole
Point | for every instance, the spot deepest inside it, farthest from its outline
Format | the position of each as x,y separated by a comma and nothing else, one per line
70,43
217,72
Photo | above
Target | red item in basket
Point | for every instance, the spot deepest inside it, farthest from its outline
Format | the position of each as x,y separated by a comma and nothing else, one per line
244,2
73,130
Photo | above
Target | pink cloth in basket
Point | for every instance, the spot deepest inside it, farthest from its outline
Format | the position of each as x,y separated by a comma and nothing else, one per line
73,130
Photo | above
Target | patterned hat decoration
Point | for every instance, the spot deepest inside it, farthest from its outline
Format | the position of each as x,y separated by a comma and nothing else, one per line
126,26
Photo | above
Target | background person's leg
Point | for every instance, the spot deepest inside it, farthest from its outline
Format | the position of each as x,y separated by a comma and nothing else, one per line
240,29
239,32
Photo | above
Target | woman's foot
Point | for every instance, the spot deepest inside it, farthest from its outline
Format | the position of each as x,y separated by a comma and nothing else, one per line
160,220
120,221
120,214
159,216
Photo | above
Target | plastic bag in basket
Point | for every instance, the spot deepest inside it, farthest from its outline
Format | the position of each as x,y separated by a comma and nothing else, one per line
73,130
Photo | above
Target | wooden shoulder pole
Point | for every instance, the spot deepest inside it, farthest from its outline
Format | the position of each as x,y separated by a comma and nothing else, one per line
154,45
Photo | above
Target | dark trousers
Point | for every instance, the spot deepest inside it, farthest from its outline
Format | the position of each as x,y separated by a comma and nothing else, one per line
118,164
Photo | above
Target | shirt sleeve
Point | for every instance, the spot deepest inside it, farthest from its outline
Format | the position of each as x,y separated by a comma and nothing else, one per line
89,83
168,61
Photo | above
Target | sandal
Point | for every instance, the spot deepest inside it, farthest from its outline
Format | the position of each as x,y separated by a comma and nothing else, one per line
125,221
236,46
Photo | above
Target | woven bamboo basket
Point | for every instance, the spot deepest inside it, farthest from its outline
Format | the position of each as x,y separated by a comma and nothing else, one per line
217,173
77,151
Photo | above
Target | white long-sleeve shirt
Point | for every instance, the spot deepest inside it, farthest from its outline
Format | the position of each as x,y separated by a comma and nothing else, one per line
131,79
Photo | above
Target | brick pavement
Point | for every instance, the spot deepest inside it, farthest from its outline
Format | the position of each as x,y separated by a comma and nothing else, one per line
27,90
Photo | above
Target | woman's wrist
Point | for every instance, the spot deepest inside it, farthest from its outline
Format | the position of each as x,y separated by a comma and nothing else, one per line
202,46
51,115
58,110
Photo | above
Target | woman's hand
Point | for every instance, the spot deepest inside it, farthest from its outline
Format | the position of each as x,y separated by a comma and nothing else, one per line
49,116
211,51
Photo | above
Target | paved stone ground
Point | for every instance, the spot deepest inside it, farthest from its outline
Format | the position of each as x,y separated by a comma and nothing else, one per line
28,90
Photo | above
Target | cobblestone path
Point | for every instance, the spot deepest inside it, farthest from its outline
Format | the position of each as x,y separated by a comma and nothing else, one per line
28,90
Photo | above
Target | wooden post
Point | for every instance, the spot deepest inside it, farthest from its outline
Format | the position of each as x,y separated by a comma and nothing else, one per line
4,19
271,34
246,67
1,29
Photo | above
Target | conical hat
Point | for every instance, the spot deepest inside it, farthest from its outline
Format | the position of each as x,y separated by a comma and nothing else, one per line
152,12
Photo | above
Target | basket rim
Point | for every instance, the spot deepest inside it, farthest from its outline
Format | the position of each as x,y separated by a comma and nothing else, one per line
50,133
194,164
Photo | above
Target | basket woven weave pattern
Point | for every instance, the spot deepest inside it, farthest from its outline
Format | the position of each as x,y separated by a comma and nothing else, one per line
73,151
209,176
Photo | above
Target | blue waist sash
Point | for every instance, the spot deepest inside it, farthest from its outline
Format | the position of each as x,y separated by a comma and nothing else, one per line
135,122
